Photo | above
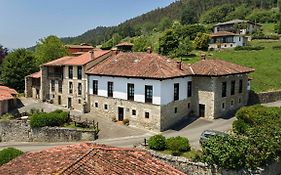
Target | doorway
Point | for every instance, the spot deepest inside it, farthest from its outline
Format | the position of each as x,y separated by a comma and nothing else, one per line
69,104
201,110
59,100
120,114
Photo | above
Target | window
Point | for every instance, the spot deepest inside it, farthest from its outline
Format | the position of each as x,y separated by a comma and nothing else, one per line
79,101
176,91
176,110
70,72
79,88
146,114
60,86
131,91
189,89
222,105
53,85
148,94
188,105
232,88
70,87
239,100
240,86
95,87
110,89
79,72
134,112
96,104
223,89
105,106
232,103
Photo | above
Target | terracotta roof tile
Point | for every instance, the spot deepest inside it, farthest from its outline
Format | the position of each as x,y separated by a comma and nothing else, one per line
36,75
77,60
141,65
89,159
216,67
7,93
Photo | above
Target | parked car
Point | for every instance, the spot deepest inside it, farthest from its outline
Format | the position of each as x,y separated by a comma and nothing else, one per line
207,134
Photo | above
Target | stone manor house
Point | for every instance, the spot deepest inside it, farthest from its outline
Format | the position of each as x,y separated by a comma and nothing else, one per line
152,91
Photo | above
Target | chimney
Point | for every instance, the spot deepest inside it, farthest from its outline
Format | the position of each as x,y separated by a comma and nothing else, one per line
203,56
149,50
180,64
92,54
114,51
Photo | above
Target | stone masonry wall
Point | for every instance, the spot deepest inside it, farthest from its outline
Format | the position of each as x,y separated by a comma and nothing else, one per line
20,131
264,97
98,106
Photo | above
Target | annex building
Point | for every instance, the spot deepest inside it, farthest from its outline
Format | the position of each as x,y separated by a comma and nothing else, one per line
150,90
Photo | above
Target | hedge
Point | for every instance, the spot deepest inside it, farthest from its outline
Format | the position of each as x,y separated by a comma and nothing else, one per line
56,118
178,145
249,48
9,154
157,142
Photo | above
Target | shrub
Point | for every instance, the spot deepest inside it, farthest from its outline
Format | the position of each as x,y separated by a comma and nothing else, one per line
249,48
56,118
178,145
8,154
157,142
276,47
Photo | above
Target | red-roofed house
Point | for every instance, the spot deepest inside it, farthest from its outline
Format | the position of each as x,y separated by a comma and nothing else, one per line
7,99
79,49
63,81
155,92
87,159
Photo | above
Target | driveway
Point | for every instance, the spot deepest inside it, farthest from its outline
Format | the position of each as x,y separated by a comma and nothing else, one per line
273,104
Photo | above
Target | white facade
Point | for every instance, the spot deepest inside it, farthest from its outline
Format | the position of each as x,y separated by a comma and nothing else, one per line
237,41
163,91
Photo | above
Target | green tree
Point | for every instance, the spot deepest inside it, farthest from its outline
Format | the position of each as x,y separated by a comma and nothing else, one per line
239,13
217,13
189,16
164,24
279,18
48,49
18,64
141,44
168,42
116,38
3,53
184,48
201,41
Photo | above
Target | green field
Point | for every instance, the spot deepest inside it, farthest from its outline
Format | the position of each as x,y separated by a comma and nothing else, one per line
267,63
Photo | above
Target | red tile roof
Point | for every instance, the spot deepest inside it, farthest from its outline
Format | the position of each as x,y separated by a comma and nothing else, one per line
36,75
216,67
89,159
141,65
77,60
79,46
222,33
7,93
125,44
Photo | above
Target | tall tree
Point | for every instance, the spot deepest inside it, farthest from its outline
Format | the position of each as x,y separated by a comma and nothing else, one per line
279,18
18,64
3,53
189,16
49,48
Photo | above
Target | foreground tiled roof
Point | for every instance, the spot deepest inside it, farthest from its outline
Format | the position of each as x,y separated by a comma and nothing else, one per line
88,159
36,75
141,65
77,60
7,93
216,67
222,33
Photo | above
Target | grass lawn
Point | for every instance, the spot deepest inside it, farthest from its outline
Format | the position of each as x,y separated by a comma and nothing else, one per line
268,28
267,63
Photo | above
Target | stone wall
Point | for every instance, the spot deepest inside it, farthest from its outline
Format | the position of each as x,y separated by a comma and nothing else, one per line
20,131
192,168
264,97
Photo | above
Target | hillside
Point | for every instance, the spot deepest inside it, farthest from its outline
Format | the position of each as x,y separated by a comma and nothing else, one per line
182,10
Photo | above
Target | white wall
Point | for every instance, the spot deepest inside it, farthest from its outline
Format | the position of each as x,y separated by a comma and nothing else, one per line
167,89
163,91
120,87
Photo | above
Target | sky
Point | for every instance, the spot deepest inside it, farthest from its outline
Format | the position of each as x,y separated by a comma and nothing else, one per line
24,22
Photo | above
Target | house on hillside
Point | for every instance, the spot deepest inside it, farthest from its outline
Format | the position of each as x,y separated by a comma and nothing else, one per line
7,99
63,81
225,40
79,49
155,92
237,26
88,158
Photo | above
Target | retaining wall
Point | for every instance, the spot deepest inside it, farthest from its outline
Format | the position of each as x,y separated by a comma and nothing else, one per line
264,97
20,131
